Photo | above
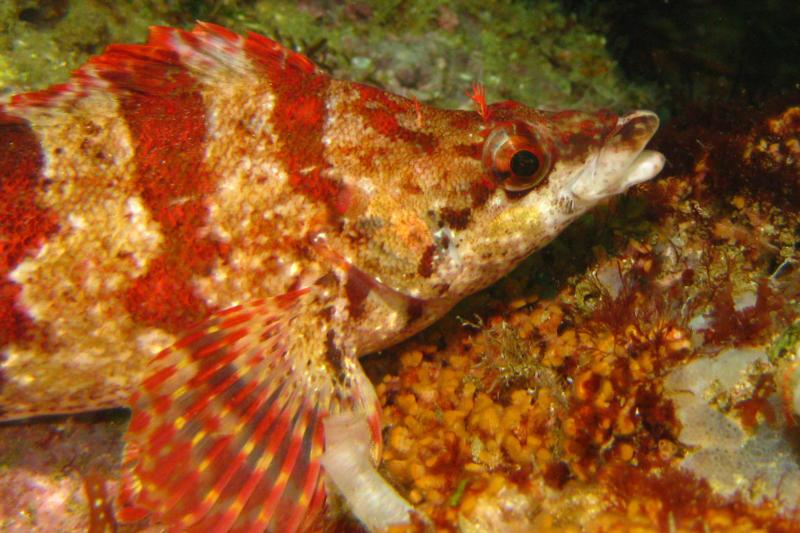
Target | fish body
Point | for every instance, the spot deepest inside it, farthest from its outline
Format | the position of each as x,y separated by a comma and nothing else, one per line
212,230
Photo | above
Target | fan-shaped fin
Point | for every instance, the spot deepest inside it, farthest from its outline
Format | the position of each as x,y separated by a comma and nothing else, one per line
227,429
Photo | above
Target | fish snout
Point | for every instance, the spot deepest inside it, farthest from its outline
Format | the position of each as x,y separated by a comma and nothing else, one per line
622,160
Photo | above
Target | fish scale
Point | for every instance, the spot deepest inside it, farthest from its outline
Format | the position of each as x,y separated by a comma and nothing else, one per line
211,230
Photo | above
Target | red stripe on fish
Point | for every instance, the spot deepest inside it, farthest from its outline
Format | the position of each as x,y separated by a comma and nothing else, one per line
381,111
299,120
139,421
24,225
304,485
152,382
163,106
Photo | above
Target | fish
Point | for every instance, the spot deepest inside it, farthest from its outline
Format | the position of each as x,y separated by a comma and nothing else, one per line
211,230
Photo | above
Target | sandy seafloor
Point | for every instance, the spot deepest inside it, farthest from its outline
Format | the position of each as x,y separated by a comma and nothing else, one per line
637,374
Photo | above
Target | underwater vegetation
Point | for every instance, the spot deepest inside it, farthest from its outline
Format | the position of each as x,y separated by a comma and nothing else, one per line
640,372
433,51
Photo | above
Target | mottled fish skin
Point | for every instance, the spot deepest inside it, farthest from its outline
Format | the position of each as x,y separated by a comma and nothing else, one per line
205,170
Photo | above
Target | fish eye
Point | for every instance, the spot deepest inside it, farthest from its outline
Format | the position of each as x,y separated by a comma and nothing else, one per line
524,163
516,157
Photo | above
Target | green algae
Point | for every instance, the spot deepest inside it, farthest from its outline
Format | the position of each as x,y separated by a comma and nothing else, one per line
786,345
41,45
431,50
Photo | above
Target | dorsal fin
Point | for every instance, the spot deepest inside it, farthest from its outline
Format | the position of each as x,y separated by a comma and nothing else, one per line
208,52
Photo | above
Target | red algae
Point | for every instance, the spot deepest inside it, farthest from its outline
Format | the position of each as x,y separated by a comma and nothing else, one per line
24,224
758,407
744,150
675,499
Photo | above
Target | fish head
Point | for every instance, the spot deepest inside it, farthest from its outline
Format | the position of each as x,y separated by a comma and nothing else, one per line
541,170
441,203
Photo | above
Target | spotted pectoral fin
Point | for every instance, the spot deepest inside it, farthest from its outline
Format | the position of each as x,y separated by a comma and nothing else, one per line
227,428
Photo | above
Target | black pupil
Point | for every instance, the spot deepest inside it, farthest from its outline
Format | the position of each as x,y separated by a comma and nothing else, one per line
524,163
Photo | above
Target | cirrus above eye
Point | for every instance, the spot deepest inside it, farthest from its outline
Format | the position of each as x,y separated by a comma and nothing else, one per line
515,156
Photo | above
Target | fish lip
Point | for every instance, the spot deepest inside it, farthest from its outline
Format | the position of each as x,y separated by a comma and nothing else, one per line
634,130
622,161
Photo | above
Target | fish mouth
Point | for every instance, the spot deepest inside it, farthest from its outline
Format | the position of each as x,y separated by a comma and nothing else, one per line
622,161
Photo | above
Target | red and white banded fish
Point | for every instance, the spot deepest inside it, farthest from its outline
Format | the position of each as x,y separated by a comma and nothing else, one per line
214,179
